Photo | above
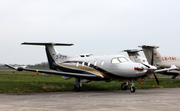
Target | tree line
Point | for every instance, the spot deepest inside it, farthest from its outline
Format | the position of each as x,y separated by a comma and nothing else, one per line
42,65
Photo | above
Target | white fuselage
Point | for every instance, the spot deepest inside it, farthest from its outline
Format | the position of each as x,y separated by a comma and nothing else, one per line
104,66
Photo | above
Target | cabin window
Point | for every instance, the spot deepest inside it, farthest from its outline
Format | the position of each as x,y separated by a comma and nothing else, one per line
102,63
115,61
95,63
77,64
122,59
83,64
89,63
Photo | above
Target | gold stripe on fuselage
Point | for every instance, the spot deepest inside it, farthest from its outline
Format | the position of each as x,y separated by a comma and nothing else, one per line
87,69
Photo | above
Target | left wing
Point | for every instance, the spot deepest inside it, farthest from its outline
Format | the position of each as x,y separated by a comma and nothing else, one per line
90,76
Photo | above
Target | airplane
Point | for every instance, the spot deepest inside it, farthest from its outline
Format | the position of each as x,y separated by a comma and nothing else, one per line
161,61
134,56
92,68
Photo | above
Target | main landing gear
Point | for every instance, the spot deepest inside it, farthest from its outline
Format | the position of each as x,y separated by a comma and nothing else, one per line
78,85
174,76
126,84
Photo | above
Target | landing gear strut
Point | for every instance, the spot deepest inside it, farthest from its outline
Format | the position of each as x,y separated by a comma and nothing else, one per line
78,85
174,76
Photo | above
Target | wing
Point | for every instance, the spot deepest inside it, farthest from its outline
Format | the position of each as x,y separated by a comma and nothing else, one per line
173,67
90,76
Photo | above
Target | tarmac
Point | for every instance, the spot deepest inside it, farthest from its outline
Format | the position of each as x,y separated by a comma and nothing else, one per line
166,99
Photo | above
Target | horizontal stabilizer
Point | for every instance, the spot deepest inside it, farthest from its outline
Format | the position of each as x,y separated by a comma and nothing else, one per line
132,50
148,46
47,43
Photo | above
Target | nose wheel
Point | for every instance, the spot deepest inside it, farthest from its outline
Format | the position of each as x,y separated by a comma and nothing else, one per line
132,89
125,85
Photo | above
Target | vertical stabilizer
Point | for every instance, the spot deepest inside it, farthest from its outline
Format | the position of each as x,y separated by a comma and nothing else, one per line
52,55
135,57
148,50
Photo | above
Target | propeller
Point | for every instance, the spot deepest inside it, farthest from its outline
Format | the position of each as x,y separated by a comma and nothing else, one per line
152,59
150,72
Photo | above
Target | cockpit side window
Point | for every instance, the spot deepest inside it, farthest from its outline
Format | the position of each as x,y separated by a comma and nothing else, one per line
115,61
122,59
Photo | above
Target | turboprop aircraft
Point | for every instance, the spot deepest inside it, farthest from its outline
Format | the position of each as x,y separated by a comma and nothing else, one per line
135,57
161,61
88,68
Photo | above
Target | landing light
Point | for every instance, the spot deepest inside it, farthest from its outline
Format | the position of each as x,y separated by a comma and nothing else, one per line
138,68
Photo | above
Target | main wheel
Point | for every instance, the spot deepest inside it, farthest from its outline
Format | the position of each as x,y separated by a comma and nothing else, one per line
123,86
132,89
76,88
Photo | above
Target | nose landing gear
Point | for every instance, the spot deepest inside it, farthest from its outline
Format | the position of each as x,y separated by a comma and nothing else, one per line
125,85
132,89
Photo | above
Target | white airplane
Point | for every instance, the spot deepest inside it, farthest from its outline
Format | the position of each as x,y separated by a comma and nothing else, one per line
161,61
135,57
98,68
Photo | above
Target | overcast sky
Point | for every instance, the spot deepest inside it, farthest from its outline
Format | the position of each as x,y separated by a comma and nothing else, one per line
93,26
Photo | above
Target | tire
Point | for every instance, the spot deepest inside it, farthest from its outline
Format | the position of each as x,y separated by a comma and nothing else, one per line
132,89
76,89
123,87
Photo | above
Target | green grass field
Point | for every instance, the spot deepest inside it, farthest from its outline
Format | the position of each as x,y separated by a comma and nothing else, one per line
22,82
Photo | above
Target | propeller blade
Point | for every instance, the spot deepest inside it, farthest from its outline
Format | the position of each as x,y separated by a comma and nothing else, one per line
144,79
152,59
145,65
156,78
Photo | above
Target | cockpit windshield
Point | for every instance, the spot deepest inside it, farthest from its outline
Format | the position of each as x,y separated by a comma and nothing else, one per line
119,60
123,59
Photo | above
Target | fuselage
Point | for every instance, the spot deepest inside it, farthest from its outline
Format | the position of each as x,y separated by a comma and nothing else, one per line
167,61
107,67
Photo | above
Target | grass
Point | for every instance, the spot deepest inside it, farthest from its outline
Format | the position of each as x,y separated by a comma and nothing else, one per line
22,82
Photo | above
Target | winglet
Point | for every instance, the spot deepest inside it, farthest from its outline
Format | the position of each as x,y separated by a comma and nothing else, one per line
173,67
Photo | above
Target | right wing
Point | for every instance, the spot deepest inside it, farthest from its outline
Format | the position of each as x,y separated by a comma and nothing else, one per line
90,76
173,67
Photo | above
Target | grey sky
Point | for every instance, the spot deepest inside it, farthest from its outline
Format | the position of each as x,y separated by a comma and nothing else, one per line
96,26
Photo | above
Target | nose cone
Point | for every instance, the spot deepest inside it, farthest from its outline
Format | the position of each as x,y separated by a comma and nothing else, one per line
141,69
133,69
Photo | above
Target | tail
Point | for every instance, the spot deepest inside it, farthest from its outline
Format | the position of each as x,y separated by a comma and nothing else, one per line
135,57
52,55
148,50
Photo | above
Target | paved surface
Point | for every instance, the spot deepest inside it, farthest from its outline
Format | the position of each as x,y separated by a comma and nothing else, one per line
142,100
